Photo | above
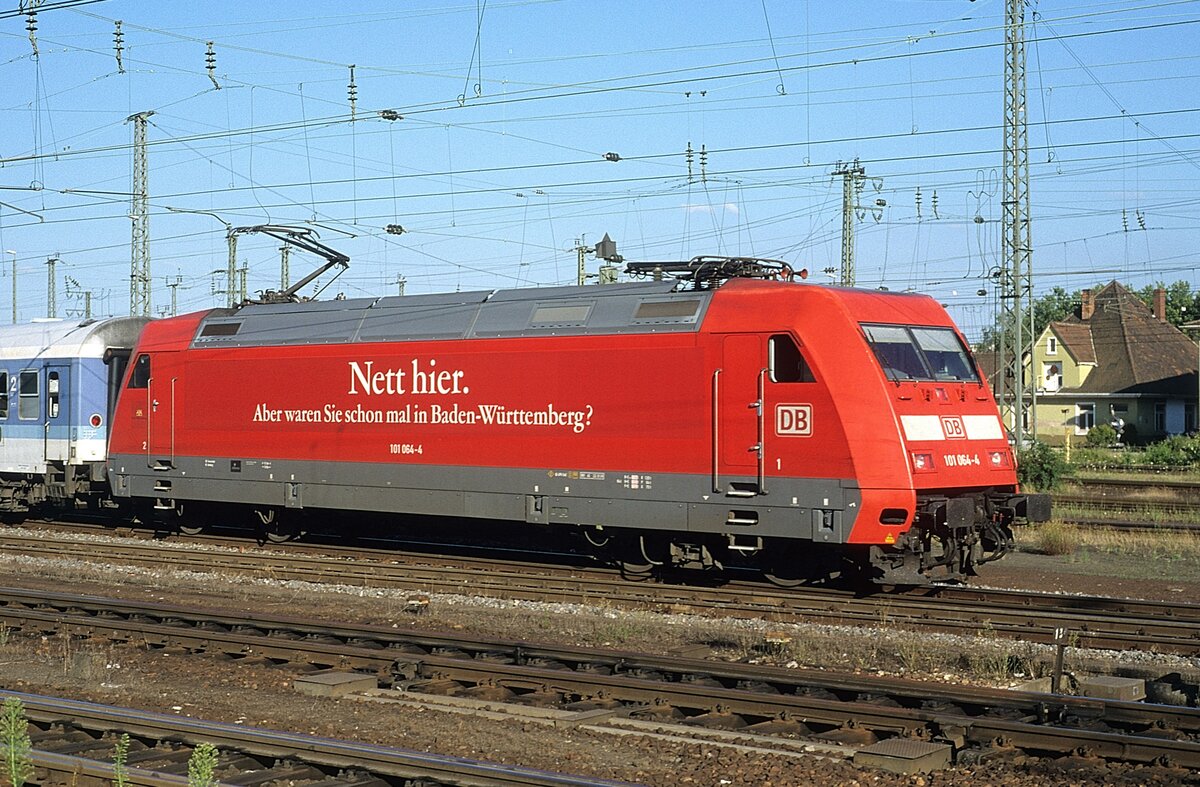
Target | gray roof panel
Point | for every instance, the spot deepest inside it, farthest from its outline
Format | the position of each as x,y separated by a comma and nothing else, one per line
552,311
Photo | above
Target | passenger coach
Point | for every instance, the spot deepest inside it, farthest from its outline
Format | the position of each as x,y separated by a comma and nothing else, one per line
58,386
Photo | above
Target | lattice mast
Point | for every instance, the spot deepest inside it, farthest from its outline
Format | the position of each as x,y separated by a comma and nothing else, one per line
139,274
1017,389
853,176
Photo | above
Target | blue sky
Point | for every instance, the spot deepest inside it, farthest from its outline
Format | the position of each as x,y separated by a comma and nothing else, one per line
497,163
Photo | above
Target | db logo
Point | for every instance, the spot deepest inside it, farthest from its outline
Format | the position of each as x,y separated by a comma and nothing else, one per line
793,419
953,427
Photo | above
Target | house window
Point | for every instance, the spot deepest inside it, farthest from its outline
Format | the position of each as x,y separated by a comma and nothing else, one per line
1085,417
1052,346
1189,417
1160,417
1051,376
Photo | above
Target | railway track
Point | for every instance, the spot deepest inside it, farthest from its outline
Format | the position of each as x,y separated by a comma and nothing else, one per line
1166,505
74,742
770,706
1093,621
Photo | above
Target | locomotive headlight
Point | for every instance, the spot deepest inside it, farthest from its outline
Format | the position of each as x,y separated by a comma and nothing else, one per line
999,460
922,462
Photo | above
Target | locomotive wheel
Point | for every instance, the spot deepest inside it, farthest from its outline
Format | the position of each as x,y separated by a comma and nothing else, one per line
784,579
630,554
278,529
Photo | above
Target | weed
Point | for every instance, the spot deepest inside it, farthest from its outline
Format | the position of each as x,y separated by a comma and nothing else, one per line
120,753
202,766
1056,538
14,734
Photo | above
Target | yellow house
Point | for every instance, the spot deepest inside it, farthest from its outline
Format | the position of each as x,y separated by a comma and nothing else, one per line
1117,362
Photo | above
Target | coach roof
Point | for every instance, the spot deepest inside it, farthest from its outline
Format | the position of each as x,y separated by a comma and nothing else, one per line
68,338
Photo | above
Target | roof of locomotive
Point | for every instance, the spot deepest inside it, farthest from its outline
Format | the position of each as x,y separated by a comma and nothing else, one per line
643,307
652,307
68,338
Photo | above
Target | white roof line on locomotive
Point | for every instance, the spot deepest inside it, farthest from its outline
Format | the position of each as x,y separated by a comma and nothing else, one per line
48,338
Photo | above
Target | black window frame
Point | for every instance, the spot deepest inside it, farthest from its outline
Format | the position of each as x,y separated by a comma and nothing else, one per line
917,364
139,376
24,397
790,365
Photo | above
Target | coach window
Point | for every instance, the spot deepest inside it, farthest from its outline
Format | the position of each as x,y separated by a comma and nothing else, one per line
141,373
29,405
3,394
52,394
786,363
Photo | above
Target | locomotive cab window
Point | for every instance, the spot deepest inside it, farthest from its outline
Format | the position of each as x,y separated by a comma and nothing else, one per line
29,403
786,363
920,353
3,394
140,378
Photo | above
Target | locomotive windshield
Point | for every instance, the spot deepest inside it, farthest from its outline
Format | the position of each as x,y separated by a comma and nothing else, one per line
920,353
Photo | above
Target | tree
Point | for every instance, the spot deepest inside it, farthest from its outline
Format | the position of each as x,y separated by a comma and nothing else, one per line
1183,305
1057,304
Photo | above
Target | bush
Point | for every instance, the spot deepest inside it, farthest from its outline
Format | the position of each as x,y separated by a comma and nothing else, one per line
1039,466
1083,456
1101,436
1176,451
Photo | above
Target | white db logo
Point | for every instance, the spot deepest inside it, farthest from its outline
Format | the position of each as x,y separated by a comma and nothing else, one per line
793,419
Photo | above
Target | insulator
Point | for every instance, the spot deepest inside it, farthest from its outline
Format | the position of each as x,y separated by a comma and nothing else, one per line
1124,220
210,64
119,45
31,27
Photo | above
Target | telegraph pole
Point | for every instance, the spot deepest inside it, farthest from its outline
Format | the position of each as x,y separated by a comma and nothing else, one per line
173,284
285,274
1017,390
139,275
852,179
231,270
51,289
14,266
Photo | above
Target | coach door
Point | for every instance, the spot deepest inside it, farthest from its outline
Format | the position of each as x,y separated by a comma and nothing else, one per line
737,422
57,413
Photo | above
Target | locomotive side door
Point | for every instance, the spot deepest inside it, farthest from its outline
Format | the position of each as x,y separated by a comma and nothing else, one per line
160,417
738,419
56,423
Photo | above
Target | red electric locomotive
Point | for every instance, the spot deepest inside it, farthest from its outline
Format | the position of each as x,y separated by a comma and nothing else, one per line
795,427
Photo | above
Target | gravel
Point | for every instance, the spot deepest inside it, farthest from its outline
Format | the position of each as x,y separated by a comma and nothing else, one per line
210,688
